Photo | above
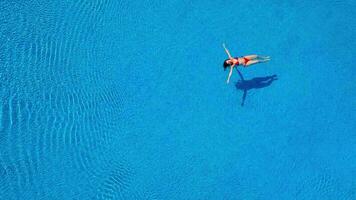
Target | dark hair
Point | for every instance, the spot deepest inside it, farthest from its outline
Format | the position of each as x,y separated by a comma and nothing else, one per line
226,64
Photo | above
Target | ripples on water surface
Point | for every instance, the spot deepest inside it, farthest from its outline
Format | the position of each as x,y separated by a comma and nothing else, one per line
59,119
82,118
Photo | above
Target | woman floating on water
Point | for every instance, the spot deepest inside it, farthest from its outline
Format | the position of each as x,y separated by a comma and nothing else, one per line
245,60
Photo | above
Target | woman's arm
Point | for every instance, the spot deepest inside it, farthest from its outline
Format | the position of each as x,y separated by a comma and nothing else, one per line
227,51
228,78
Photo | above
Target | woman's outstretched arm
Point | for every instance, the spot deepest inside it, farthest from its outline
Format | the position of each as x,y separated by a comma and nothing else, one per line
228,78
227,51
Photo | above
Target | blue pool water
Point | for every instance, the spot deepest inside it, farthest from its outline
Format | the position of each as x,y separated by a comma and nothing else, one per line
108,99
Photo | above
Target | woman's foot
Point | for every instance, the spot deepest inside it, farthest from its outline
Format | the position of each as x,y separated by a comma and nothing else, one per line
264,60
264,57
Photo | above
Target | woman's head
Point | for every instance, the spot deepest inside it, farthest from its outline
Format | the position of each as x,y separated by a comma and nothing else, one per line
227,63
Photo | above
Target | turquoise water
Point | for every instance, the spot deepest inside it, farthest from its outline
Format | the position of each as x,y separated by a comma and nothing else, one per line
107,99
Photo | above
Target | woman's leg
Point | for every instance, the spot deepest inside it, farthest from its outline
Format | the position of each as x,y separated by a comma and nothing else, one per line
251,57
263,57
251,62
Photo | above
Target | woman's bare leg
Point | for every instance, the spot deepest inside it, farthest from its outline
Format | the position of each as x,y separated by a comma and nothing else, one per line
263,57
251,62
251,57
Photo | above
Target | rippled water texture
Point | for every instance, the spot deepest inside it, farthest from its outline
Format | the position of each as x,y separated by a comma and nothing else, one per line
103,99
61,105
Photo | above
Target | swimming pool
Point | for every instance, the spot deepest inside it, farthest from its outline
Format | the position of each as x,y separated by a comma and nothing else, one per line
116,100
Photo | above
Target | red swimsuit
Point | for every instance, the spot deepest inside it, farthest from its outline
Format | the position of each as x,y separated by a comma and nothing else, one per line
245,60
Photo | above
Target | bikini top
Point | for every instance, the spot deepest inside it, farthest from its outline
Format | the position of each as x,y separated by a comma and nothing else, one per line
237,58
245,60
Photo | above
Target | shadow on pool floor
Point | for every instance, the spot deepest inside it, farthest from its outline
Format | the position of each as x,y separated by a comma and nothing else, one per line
255,83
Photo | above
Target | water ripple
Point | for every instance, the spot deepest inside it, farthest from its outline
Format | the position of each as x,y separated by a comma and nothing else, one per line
55,109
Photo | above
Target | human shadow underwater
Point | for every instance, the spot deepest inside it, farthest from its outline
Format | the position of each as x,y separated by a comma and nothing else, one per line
255,83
